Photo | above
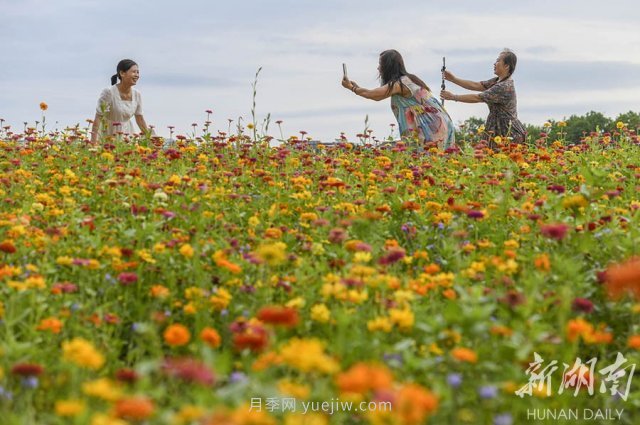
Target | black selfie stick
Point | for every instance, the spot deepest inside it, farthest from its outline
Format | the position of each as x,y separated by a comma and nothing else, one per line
444,68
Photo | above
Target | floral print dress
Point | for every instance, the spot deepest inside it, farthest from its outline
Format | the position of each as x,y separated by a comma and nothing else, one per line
503,114
421,115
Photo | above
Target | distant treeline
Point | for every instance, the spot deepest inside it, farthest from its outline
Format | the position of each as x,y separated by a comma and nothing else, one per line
573,128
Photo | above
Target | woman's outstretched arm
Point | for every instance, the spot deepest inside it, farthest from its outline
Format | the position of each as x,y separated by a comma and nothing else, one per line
465,98
465,84
376,94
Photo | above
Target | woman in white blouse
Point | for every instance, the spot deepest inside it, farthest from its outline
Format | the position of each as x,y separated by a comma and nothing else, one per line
119,103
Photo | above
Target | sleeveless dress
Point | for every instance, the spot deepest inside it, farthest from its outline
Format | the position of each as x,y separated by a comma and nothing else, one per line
117,110
421,115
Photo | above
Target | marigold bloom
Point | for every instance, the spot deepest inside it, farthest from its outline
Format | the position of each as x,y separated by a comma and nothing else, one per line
177,335
307,355
542,263
579,328
43,106
82,353
276,315
211,337
69,407
103,388
136,409
364,377
51,324
623,277
464,355
414,403
186,250
273,254
634,342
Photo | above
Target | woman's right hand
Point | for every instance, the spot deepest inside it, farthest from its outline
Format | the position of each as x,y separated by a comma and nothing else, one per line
346,83
448,75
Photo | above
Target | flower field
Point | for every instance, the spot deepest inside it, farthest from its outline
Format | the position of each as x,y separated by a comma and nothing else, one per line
231,282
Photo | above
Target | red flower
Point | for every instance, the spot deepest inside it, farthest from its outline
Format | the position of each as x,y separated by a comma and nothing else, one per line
27,369
554,231
475,214
275,315
582,304
127,278
394,255
7,247
337,235
189,370
127,375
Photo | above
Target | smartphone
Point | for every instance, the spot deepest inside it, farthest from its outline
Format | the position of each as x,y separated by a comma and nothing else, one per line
344,70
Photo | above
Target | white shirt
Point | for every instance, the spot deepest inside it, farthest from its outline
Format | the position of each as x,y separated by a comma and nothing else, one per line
117,110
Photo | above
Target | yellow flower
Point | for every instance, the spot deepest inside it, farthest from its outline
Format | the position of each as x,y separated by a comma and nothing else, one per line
320,313
103,388
620,125
288,387
102,419
575,201
273,253
403,318
379,324
186,250
82,353
69,407
307,355
43,106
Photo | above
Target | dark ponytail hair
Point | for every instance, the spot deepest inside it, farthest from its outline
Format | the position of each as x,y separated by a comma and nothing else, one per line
123,66
509,58
392,69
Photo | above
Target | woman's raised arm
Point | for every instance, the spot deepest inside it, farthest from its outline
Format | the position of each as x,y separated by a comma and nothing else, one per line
465,84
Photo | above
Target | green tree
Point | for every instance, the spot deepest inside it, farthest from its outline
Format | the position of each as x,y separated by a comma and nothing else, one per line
580,125
631,119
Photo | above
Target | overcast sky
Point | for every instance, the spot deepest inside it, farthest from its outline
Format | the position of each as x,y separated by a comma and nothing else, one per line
573,57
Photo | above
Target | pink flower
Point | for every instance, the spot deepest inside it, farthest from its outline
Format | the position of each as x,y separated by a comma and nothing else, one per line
582,304
127,278
554,231
475,214
394,255
190,370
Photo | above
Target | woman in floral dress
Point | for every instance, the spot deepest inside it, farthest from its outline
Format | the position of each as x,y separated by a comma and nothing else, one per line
420,115
499,94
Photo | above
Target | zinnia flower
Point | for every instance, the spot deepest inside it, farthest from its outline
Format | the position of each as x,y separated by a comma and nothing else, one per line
27,369
276,315
556,231
177,335
189,370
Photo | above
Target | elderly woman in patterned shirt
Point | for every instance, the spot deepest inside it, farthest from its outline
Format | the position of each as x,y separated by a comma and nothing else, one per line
498,93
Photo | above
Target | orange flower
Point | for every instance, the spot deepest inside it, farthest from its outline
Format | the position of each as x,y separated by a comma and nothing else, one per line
7,247
415,403
542,263
623,277
177,335
136,409
364,377
50,324
579,328
464,355
634,342
276,315
273,233
211,337
43,106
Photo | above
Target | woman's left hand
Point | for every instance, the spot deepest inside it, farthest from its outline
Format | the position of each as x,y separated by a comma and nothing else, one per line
347,84
446,95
